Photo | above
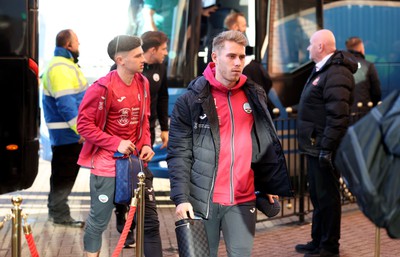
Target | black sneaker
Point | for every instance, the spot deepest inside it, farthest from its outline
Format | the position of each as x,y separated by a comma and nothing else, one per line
69,222
130,240
310,247
321,253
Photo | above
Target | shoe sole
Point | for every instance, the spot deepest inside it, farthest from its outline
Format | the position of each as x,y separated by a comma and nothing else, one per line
306,251
130,246
69,225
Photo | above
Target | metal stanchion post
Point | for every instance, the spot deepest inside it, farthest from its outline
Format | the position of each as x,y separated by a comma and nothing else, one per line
377,242
140,216
16,226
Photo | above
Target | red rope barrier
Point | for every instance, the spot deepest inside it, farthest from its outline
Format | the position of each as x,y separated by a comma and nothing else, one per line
30,240
125,232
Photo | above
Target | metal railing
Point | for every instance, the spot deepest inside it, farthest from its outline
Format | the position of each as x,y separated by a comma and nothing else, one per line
300,204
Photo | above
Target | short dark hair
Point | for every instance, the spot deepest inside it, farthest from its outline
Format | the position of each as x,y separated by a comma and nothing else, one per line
122,43
153,39
353,42
63,37
230,35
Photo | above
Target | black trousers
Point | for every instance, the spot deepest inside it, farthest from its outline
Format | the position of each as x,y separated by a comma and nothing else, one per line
324,188
64,170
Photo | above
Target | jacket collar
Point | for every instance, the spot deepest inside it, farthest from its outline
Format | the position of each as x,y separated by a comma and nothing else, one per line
61,51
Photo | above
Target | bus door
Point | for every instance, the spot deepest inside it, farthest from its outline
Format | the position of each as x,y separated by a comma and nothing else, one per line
19,143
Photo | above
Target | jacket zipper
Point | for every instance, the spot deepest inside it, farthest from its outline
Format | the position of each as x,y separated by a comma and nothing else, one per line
231,186
143,110
104,125
212,186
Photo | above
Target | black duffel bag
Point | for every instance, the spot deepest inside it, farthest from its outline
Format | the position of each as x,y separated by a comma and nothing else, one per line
369,159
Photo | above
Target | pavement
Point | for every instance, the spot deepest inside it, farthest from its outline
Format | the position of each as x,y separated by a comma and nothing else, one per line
275,237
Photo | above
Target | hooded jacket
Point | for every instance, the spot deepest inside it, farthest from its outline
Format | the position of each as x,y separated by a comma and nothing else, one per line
63,89
234,182
194,147
325,102
368,86
92,118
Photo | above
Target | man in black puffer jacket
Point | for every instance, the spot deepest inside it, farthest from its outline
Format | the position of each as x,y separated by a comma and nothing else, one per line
368,86
223,147
323,119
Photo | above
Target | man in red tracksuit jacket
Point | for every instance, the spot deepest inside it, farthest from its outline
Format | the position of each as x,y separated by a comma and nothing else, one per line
114,116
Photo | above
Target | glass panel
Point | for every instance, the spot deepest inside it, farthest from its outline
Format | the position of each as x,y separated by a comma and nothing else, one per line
292,22
171,17
214,23
375,23
13,19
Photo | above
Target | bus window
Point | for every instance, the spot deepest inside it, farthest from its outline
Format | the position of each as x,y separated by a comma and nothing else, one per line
186,58
293,22
173,18
373,22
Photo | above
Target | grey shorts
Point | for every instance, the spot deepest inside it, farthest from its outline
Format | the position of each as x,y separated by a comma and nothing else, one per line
101,208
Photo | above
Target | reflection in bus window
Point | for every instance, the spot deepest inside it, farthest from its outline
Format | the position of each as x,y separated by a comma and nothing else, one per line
171,17
159,15
293,23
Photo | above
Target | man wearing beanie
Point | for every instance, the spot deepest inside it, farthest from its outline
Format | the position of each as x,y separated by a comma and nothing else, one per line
114,116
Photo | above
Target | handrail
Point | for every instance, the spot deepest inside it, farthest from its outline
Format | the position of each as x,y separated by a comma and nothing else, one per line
16,216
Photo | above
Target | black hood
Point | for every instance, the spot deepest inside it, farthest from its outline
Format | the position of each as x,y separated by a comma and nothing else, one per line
345,59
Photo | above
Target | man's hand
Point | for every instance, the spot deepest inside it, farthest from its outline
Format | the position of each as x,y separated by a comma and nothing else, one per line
126,147
146,154
271,198
81,140
164,138
325,159
208,11
182,211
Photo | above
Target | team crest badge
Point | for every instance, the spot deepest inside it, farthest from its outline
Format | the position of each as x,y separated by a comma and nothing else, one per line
156,77
315,82
103,198
247,108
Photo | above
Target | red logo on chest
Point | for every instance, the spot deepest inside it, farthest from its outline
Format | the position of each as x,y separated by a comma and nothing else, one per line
315,81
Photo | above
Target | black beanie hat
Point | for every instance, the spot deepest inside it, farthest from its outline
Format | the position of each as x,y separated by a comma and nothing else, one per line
122,43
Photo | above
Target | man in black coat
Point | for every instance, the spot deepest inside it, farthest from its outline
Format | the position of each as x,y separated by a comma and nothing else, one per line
222,148
368,86
323,119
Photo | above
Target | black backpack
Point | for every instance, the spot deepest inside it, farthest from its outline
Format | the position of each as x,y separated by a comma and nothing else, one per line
369,159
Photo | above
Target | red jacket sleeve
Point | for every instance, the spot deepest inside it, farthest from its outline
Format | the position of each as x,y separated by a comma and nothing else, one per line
92,119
